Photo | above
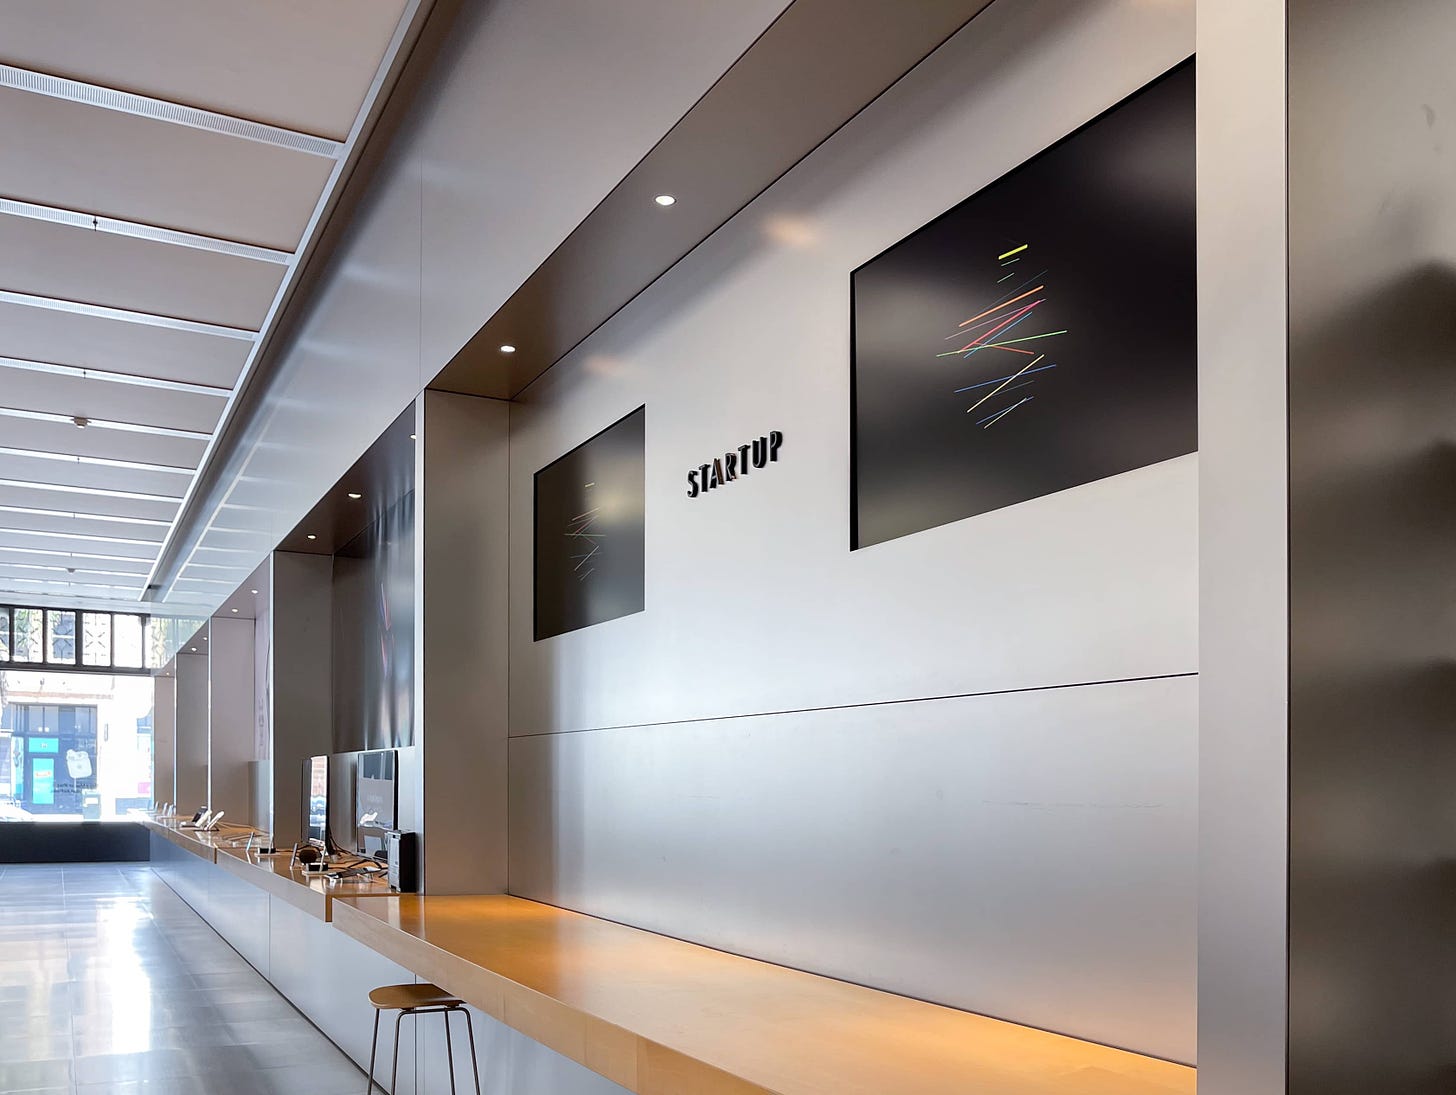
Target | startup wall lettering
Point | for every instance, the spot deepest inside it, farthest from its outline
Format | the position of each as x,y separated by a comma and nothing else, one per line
759,453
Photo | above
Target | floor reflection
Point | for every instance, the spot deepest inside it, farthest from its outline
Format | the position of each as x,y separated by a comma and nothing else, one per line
110,983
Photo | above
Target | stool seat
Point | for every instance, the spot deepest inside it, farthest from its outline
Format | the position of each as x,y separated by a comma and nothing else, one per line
399,997
414,1001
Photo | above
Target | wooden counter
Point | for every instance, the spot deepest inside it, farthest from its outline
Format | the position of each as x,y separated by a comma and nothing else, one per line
312,893
202,845
664,1017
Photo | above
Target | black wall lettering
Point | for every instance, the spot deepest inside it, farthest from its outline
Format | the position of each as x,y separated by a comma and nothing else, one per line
758,453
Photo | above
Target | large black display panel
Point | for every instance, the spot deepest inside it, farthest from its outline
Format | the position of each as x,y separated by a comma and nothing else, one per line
590,507
1038,336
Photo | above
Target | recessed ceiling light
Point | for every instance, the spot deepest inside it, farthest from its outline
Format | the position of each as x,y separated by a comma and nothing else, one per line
234,610
194,650
664,199
81,423
254,592
354,496
311,536
412,437
507,348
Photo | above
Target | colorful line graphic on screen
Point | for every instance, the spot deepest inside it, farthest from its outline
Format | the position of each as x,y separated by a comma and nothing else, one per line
987,339
586,543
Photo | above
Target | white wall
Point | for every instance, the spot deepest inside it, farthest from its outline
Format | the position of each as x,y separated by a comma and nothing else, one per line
706,768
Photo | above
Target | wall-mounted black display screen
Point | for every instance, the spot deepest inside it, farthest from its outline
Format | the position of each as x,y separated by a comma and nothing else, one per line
590,531
1038,336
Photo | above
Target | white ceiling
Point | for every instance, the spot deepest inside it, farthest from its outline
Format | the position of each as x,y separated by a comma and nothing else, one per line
166,163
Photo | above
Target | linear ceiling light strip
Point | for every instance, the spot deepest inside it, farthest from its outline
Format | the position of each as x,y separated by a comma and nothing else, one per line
94,461
56,567
75,91
7,582
115,226
51,553
104,424
110,377
84,537
149,319
99,492
37,512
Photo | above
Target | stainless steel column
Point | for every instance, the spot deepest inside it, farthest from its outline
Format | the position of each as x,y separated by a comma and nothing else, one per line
302,695
1372,413
192,715
461,584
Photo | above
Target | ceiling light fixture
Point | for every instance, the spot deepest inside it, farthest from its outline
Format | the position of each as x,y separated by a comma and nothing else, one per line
507,348
234,610
665,200
354,496
311,536
194,650
81,423
412,437
254,592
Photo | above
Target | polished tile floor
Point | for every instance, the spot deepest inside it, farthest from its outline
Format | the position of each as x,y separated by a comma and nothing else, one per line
109,983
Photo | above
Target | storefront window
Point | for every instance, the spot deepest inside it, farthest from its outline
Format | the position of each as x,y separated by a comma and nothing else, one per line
74,745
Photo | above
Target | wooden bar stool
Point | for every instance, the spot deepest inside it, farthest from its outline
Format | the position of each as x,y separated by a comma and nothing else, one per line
424,999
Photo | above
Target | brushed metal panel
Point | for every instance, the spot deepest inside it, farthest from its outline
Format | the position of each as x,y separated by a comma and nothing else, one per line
753,601
509,1062
321,56
537,110
57,260
239,913
627,241
164,740
1030,856
67,338
302,712
1372,270
328,976
230,736
158,173
191,732
361,336
461,577
374,635
1243,548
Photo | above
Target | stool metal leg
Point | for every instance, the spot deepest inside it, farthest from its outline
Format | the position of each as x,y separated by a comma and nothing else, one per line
394,1069
474,1062
450,1050
373,1049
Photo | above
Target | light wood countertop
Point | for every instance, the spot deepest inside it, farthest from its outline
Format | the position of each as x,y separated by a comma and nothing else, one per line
201,845
312,893
664,1017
